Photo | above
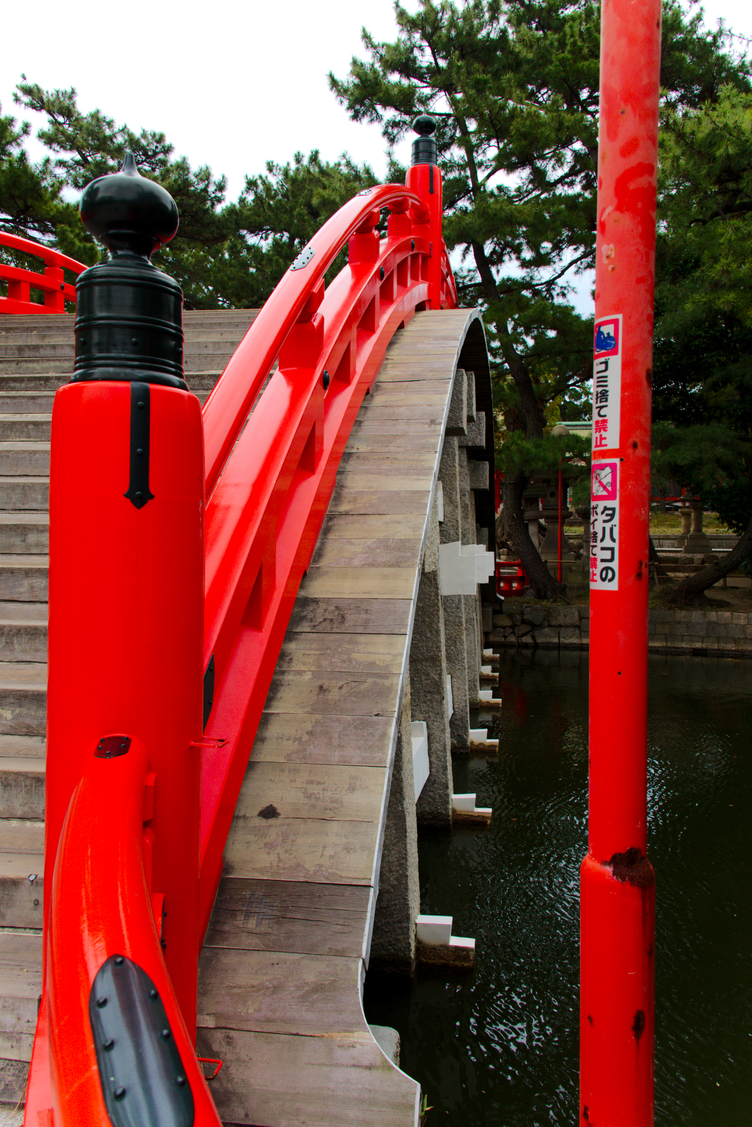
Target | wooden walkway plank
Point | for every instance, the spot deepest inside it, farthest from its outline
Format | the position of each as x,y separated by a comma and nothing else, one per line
322,739
346,653
407,526
326,1081
308,790
282,965
323,851
279,915
280,992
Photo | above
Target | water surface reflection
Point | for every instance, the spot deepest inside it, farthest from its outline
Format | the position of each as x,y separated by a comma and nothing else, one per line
500,1046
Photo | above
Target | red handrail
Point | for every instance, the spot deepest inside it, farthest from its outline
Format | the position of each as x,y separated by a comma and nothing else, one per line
228,405
265,512
52,282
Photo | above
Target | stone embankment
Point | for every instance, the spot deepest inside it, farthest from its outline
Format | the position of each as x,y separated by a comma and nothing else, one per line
724,632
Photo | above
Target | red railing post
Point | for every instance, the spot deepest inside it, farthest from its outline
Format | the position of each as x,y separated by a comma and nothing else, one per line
124,719
424,178
54,300
617,882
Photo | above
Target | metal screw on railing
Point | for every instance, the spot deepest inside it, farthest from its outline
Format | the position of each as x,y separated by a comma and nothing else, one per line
129,314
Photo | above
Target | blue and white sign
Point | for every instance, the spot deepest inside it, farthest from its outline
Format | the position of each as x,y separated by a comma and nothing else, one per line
607,383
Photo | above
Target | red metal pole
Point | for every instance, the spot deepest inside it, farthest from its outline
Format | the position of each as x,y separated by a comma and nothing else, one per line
617,901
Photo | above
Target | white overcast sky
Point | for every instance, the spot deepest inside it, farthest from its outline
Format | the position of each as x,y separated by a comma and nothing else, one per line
231,84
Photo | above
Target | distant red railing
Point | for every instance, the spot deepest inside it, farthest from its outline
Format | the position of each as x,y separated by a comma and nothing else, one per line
20,282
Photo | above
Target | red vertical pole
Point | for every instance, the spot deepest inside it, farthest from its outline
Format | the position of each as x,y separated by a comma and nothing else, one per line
617,903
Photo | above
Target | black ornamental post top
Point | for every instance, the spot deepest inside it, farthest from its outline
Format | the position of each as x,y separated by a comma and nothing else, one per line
424,146
129,314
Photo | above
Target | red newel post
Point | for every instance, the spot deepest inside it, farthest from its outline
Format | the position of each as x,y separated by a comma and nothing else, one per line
424,178
126,682
617,883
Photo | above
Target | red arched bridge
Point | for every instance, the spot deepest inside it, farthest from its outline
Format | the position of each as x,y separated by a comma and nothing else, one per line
264,637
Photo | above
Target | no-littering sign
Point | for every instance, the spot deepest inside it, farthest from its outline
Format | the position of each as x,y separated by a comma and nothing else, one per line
604,526
607,354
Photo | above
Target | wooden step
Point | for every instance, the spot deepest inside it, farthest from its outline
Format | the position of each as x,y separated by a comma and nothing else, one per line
23,631
24,578
23,698
21,872
22,777
24,459
22,402
24,494
20,993
24,533
34,427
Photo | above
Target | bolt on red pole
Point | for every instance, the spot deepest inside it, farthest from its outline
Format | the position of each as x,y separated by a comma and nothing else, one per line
617,902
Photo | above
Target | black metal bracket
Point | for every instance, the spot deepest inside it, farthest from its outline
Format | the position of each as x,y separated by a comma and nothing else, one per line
208,690
138,492
140,1070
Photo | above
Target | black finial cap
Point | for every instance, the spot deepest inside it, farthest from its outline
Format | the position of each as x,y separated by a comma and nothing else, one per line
129,213
425,125
424,147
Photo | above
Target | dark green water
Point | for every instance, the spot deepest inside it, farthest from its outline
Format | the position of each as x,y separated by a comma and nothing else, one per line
499,1045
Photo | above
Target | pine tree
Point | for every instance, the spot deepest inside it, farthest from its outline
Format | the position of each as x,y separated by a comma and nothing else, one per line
703,347
514,87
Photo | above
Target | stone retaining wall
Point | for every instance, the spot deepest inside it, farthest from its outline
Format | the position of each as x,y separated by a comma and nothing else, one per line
724,632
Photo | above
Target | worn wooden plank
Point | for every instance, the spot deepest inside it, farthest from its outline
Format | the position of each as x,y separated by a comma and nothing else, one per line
324,1082
345,653
361,480
279,992
311,790
324,739
419,413
13,1075
412,395
372,423
386,552
20,837
324,851
354,694
326,582
352,616
278,915
20,990
373,442
373,502
407,526
388,464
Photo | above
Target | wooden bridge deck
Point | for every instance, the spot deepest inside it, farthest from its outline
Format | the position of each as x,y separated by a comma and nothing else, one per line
288,942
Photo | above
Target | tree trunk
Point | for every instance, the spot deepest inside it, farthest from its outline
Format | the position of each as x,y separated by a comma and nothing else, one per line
543,585
692,589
